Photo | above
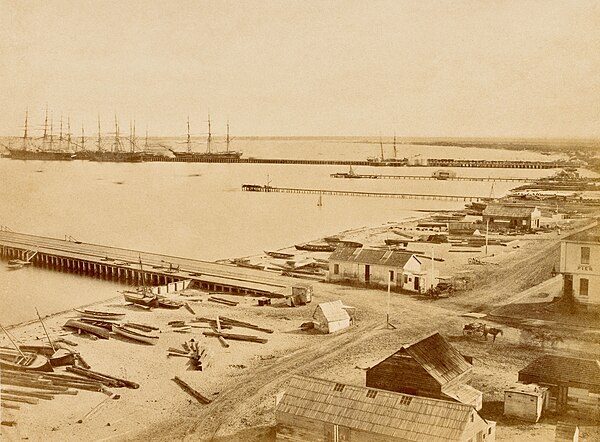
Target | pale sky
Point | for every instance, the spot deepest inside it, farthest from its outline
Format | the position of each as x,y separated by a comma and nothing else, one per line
419,68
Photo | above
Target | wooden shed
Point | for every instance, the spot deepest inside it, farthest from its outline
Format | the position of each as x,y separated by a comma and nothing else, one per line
573,382
331,317
512,217
318,410
430,367
526,401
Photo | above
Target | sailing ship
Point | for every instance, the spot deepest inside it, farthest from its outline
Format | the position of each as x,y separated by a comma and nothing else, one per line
382,161
117,153
210,155
45,152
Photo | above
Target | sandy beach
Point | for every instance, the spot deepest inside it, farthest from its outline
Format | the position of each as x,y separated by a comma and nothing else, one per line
243,380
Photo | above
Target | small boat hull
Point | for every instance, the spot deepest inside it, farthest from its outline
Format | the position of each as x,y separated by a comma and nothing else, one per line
89,328
315,247
96,314
141,299
167,303
279,255
13,360
135,335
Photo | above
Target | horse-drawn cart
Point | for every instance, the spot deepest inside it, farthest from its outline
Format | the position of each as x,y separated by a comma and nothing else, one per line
481,329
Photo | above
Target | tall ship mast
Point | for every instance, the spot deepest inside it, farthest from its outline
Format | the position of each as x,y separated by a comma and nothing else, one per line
117,154
27,151
382,161
210,156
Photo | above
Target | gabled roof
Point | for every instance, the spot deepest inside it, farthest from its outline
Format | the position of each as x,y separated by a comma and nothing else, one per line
501,210
553,369
389,258
589,235
333,311
440,359
410,418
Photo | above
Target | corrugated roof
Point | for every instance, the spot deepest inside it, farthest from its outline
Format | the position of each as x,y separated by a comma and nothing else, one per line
440,359
589,235
552,369
390,258
508,211
410,418
333,311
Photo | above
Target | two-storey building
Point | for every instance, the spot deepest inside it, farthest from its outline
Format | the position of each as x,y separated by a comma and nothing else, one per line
580,267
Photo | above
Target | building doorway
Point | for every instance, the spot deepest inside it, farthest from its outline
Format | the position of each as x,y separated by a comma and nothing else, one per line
417,283
367,273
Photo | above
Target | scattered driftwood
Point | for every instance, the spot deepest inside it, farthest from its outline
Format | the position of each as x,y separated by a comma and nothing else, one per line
189,390
235,337
81,361
236,323
223,341
36,394
188,308
223,301
176,323
9,423
10,406
25,400
91,374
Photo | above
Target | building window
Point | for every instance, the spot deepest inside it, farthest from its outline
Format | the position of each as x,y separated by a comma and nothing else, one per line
585,255
405,400
583,287
405,279
336,269
391,275
338,387
371,394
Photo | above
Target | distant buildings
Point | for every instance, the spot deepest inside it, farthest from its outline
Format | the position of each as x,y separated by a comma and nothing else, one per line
430,367
313,409
580,267
378,267
512,217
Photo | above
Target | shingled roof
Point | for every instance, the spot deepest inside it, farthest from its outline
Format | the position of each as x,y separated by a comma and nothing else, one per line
589,235
402,416
551,369
502,211
333,311
440,359
389,258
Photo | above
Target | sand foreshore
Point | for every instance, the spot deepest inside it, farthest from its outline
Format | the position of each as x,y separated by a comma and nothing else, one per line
243,380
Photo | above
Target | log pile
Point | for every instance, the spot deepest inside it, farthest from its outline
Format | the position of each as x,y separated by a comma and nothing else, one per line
223,301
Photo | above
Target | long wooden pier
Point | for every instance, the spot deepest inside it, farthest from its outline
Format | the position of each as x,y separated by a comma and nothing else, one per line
422,177
259,188
433,162
119,264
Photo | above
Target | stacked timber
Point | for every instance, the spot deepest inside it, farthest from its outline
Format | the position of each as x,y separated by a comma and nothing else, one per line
223,301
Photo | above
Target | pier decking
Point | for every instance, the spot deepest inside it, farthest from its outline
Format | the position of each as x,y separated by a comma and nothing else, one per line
433,162
422,177
259,188
120,264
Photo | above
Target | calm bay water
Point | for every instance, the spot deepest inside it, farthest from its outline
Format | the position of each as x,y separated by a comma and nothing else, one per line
199,211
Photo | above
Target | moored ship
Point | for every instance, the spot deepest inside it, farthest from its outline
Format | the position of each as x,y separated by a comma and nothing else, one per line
210,155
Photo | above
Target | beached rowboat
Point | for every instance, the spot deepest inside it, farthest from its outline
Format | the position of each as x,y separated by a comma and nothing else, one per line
135,335
89,328
12,359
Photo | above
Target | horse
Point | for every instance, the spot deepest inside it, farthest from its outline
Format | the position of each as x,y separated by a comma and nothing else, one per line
492,331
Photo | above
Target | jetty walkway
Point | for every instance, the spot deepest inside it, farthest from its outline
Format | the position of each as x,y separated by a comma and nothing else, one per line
259,188
422,177
118,264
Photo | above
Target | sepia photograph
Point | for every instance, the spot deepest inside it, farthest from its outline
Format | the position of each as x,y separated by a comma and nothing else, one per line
300,220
